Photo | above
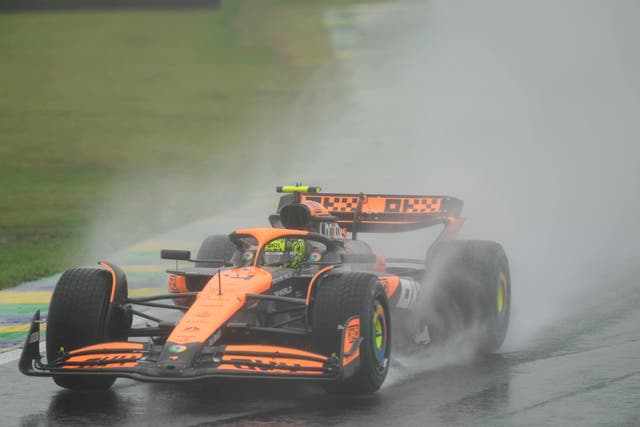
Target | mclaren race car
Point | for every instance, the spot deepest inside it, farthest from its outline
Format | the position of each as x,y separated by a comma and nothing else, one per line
304,299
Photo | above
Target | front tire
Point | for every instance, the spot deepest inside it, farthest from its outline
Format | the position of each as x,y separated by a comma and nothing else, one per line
78,318
338,298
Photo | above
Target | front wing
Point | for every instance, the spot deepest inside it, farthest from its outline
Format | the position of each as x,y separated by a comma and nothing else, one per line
141,361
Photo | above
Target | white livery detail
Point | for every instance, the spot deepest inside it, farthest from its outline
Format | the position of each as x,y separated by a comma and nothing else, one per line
409,293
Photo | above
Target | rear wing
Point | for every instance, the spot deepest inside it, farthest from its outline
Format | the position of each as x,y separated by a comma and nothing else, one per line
387,213
382,213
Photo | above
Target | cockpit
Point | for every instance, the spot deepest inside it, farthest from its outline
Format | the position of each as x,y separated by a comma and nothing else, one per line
296,251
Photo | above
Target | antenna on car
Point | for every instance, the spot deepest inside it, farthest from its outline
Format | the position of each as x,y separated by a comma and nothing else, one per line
297,190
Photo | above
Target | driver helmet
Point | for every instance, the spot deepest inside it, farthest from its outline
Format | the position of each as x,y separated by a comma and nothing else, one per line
285,252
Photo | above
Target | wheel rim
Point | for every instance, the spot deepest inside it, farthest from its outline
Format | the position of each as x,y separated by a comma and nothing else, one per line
380,335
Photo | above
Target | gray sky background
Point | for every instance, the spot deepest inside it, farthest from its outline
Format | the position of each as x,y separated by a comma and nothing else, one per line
527,110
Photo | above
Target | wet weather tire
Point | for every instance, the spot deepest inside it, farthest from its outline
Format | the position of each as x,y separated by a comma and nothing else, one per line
215,247
78,318
338,298
468,291
218,247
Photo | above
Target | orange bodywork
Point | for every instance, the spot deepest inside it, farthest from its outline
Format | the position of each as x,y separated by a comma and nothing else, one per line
244,363
314,280
386,213
390,284
177,283
120,360
351,335
212,309
316,209
231,363
110,346
113,280
377,204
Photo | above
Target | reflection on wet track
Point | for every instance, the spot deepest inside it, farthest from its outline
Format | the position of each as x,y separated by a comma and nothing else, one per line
573,373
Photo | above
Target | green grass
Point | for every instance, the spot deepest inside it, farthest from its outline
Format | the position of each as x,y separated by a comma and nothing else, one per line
87,97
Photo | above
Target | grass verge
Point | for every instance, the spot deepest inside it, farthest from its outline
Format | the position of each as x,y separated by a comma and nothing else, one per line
91,96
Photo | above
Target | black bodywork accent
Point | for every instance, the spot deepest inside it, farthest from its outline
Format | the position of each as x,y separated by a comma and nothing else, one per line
31,350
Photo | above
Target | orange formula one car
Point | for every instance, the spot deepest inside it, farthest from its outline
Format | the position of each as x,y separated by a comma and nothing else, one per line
296,301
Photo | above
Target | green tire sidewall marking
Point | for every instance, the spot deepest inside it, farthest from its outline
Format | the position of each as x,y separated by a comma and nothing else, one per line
379,341
378,333
500,299
500,294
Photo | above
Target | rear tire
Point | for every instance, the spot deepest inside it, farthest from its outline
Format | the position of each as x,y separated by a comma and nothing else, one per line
469,289
78,318
338,298
215,247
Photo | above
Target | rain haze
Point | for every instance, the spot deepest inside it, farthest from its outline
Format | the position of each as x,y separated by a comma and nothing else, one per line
528,111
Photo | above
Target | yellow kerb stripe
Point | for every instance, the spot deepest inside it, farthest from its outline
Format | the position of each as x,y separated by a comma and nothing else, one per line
43,297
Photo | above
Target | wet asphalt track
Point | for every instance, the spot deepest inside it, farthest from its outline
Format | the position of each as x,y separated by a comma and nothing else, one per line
583,371
573,353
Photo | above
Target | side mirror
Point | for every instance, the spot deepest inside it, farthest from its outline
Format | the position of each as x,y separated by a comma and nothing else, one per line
175,254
